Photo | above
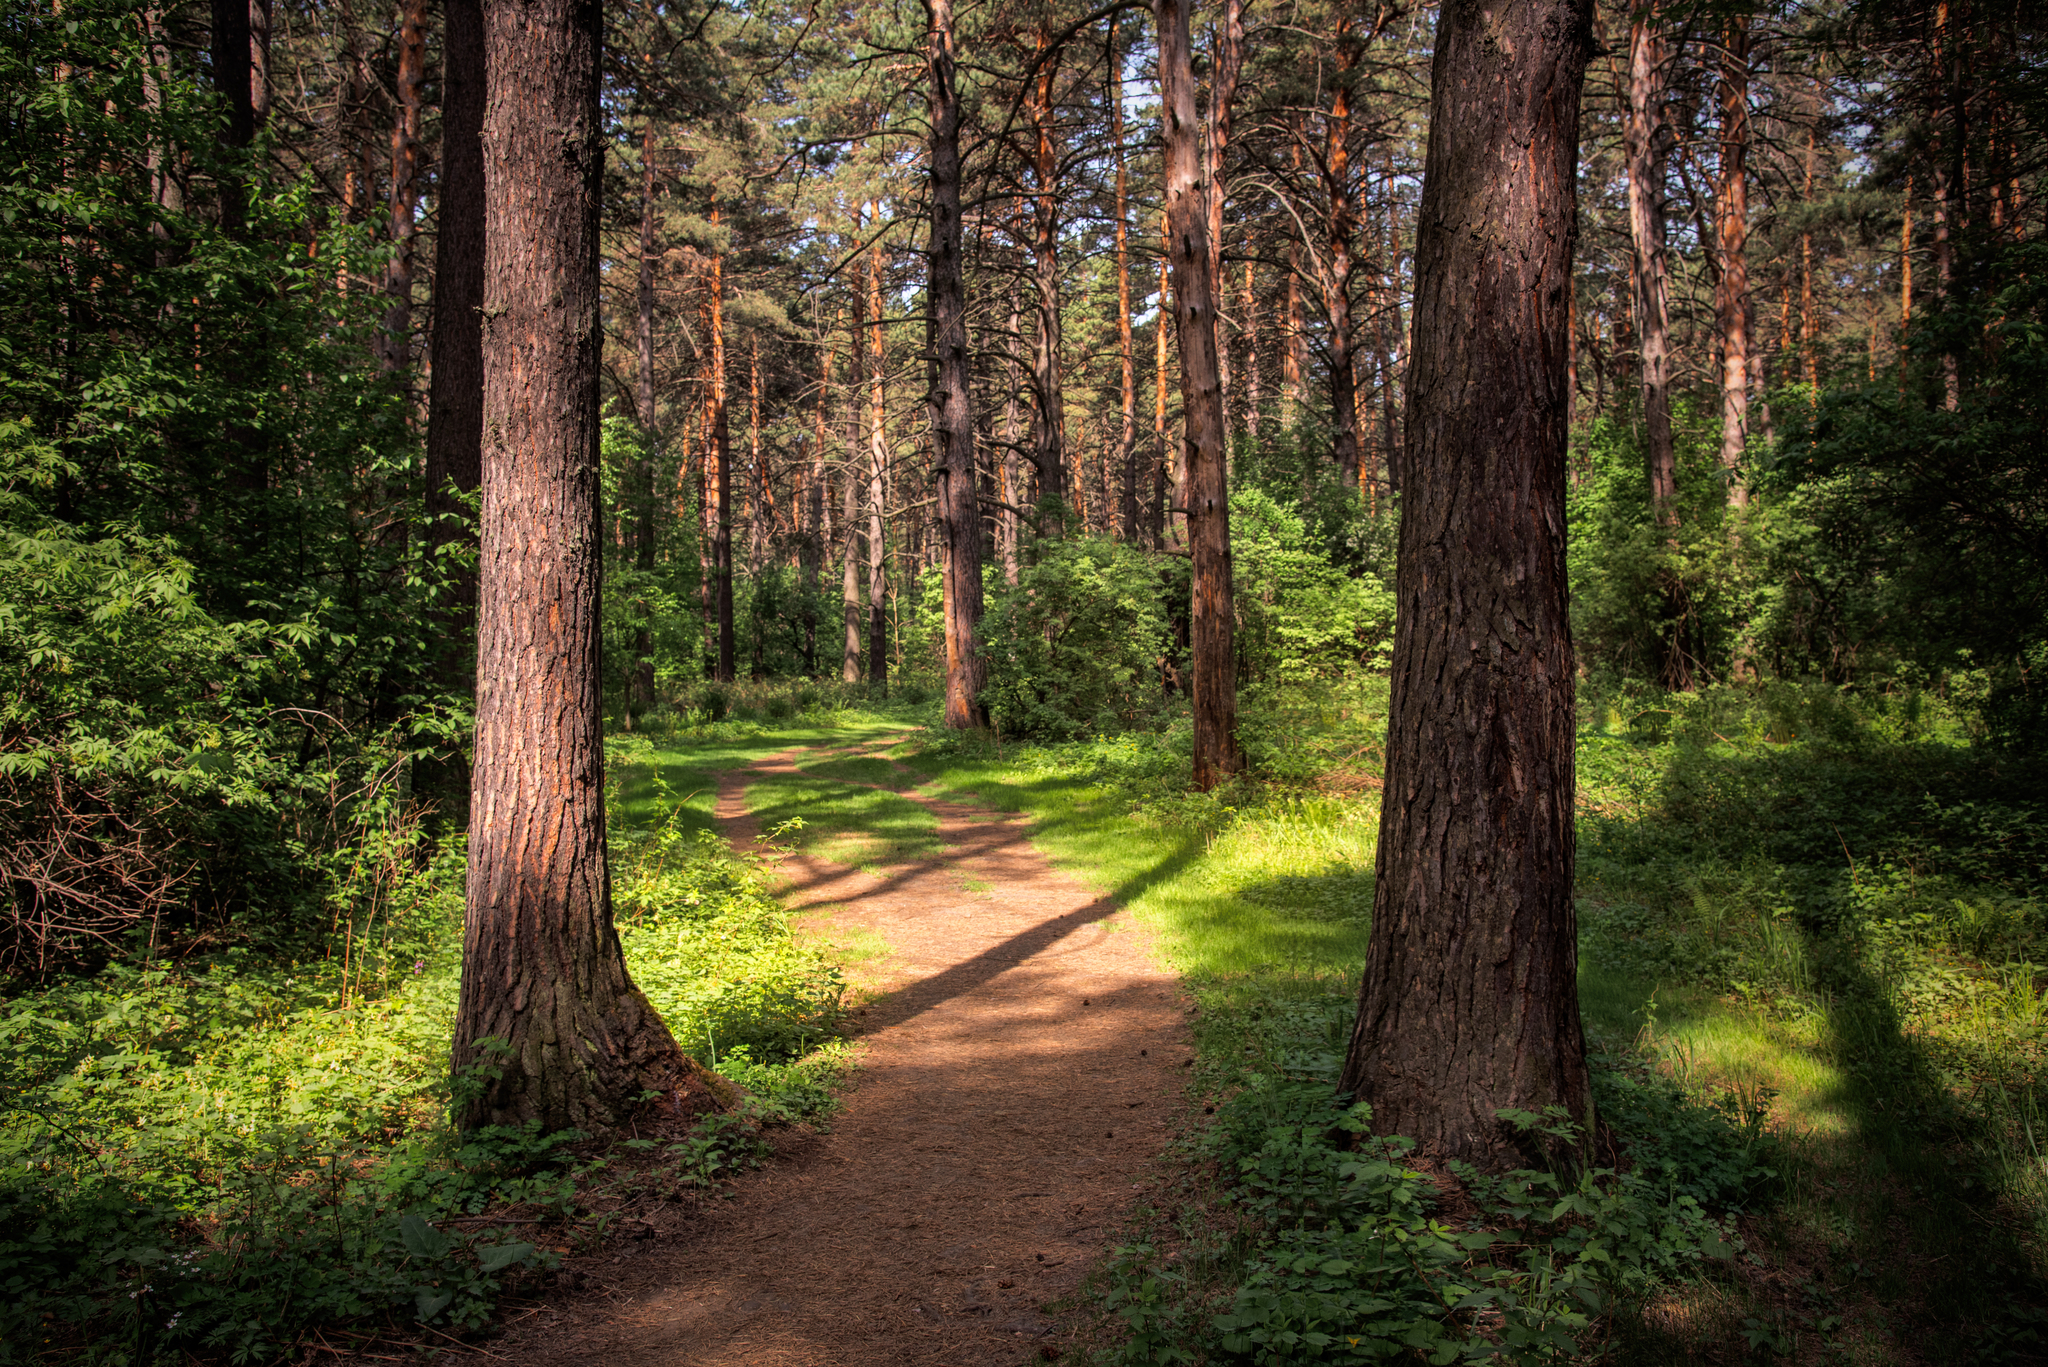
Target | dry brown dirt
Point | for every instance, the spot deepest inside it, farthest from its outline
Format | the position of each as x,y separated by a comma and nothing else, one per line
1020,1061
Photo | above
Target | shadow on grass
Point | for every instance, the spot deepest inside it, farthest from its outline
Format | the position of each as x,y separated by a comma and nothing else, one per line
1815,882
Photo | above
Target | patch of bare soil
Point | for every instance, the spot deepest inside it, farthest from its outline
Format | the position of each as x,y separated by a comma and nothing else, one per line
1020,1063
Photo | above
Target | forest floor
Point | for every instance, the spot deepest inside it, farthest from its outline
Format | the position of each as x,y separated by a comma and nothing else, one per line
1021,1061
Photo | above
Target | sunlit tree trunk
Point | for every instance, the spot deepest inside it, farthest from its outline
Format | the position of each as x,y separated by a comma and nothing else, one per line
959,507
1228,66
1214,671
1165,468
542,970
718,457
878,489
1252,397
1469,999
1011,492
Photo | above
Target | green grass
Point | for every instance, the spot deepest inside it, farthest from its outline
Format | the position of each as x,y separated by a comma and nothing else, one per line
1844,930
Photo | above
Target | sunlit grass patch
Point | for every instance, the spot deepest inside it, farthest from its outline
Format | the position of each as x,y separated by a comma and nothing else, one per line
843,823
860,769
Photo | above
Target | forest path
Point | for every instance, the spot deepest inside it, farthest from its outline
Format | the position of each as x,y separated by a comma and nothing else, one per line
1020,1063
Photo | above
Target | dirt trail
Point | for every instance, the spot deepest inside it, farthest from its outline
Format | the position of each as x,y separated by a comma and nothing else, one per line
1017,1076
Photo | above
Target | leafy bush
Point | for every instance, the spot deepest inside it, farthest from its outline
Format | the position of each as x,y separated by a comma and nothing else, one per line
1075,645
1298,614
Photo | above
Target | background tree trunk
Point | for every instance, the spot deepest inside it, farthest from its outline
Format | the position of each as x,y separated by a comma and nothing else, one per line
1731,296
959,507
1469,1000
1049,433
1336,170
1127,434
718,449
1214,671
542,970
878,488
455,394
402,201
1646,137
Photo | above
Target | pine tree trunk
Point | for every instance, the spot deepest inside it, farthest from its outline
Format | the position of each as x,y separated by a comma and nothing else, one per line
542,968
1127,434
1731,295
403,199
1469,1000
1049,431
231,73
959,507
455,395
850,605
1228,66
1336,281
1214,671
718,450
1165,482
1646,139
878,471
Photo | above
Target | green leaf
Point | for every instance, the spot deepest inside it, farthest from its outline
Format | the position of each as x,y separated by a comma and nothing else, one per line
498,1257
421,1239
431,1302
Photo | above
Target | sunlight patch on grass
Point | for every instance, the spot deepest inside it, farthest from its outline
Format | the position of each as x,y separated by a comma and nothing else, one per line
847,825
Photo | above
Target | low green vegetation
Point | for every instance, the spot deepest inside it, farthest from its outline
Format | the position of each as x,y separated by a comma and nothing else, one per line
1811,946
221,1153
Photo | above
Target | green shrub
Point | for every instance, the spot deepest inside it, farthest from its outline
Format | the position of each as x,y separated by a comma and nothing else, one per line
1075,645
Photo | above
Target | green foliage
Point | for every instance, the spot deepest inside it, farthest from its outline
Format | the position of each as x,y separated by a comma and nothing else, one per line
1298,613
1347,1258
214,654
714,954
1924,527
212,1155
1075,644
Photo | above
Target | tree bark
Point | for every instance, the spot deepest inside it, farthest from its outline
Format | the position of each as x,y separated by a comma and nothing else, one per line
1469,1000
849,670
1647,139
1049,432
232,70
1214,671
1731,295
542,968
1165,484
718,452
1127,434
1229,66
959,507
1336,282
455,394
878,470
403,200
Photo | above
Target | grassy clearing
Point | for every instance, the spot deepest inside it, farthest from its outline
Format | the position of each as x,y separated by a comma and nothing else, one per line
1800,921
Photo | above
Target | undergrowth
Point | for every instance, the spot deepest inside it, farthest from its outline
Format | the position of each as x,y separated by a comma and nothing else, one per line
220,1155
1811,959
